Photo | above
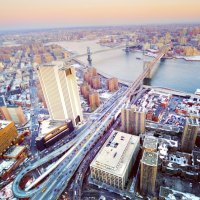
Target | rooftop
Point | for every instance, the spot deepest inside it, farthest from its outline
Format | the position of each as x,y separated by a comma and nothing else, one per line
4,123
14,151
192,121
197,92
150,158
5,165
138,109
116,153
59,64
49,125
150,142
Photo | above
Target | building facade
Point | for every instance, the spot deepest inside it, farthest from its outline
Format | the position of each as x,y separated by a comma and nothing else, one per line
148,173
95,82
113,163
133,120
60,90
85,90
52,131
189,134
112,84
94,100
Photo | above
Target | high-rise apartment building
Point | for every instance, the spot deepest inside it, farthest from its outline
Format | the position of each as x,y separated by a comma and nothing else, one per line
112,84
94,100
133,120
92,71
59,85
149,164
95,82
85,90
189,134
90,74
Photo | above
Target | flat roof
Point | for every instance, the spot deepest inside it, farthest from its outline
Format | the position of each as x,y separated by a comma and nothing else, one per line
150,142
197,91
150,158
13,151
48,125
192,121
116,153
59,64
138,109
6,164
4,123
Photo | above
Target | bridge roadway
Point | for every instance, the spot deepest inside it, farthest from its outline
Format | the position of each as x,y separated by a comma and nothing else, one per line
99,51
23,194
151,64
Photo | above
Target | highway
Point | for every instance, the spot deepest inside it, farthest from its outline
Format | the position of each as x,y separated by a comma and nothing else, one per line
34,112
58,177
23,194
80,174
84,134
61,180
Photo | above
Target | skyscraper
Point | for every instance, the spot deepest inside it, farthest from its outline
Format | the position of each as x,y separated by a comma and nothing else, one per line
58,81
189,134
133,120
149,163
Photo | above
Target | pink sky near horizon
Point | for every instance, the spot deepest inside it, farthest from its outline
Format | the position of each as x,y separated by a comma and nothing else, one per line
38,13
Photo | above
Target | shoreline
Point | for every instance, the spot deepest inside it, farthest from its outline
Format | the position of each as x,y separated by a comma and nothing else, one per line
186,58
172,91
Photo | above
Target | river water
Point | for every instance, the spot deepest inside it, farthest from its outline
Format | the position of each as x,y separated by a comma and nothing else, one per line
177,74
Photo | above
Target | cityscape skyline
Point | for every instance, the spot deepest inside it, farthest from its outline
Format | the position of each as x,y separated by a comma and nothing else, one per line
52,14
99,99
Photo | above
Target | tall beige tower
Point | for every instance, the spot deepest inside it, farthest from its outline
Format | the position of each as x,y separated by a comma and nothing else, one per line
189,134
59,85
133,120
149,164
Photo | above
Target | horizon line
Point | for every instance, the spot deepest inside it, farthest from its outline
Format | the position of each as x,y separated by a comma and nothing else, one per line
35,29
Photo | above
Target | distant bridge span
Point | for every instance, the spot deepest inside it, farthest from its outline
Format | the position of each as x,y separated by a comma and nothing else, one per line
151,65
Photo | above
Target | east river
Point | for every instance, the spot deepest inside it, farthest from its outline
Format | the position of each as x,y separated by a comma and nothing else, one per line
177,74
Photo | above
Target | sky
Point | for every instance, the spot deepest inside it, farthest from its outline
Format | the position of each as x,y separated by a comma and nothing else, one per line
27,14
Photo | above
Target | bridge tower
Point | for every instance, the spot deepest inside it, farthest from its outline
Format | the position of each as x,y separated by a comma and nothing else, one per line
127,49
146,80
89,55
